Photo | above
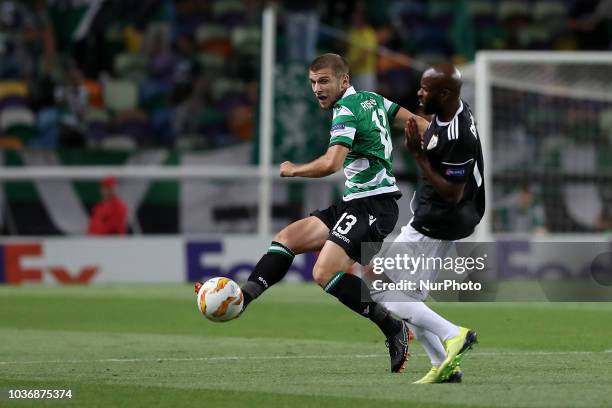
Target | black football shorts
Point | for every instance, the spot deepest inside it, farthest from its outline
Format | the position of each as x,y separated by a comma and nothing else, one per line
360,221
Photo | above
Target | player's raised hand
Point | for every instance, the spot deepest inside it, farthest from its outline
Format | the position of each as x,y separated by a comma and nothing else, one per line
287,169
413,139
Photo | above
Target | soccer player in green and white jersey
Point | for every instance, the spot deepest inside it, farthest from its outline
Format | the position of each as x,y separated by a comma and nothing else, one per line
360,143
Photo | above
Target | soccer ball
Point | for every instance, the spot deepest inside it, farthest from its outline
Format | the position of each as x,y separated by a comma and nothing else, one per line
220,299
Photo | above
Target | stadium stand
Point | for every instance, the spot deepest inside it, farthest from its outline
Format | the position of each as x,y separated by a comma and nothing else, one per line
183,74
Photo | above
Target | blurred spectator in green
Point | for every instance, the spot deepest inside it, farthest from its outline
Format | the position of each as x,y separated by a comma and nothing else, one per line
462,34
520,212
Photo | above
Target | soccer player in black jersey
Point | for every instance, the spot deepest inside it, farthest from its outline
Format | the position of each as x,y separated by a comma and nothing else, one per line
450,202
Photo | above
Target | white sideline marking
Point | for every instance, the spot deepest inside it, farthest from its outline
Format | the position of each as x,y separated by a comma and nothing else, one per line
306,357
218,358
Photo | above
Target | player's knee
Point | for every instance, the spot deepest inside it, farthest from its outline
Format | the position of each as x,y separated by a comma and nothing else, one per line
283,237
321,274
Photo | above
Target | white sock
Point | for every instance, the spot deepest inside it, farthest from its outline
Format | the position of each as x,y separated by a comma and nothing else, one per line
419,314
431,343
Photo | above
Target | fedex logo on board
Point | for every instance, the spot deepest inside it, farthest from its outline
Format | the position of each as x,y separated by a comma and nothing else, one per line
13,269
236,260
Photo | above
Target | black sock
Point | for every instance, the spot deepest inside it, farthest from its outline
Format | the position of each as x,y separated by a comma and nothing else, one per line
354,293
271,269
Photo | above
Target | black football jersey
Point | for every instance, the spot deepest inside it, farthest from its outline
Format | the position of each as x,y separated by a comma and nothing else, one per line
454,151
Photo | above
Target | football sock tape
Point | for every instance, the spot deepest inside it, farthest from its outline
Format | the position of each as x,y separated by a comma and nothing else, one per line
278,248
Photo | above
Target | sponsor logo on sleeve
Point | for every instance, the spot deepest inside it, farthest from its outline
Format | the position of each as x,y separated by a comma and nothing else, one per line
338,126
455,172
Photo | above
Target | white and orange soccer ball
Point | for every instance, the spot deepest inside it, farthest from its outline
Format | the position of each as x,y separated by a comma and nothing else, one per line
220,299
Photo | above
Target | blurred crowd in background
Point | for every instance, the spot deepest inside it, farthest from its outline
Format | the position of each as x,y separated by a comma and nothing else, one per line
184,73
103,81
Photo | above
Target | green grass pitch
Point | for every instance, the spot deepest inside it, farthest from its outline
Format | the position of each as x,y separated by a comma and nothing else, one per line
130,345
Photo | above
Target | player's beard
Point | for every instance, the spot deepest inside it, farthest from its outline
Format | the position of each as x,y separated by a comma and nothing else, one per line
335,99
332,101
431,106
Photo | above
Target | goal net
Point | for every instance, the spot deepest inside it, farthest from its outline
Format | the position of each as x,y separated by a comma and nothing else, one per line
546,122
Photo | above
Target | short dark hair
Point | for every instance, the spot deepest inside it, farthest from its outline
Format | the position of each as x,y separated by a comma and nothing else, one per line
336,62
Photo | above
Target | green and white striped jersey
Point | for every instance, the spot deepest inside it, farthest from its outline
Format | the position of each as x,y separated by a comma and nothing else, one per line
361,123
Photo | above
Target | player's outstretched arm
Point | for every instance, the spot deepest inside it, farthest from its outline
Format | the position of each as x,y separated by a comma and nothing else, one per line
402,116
325,165
451,192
